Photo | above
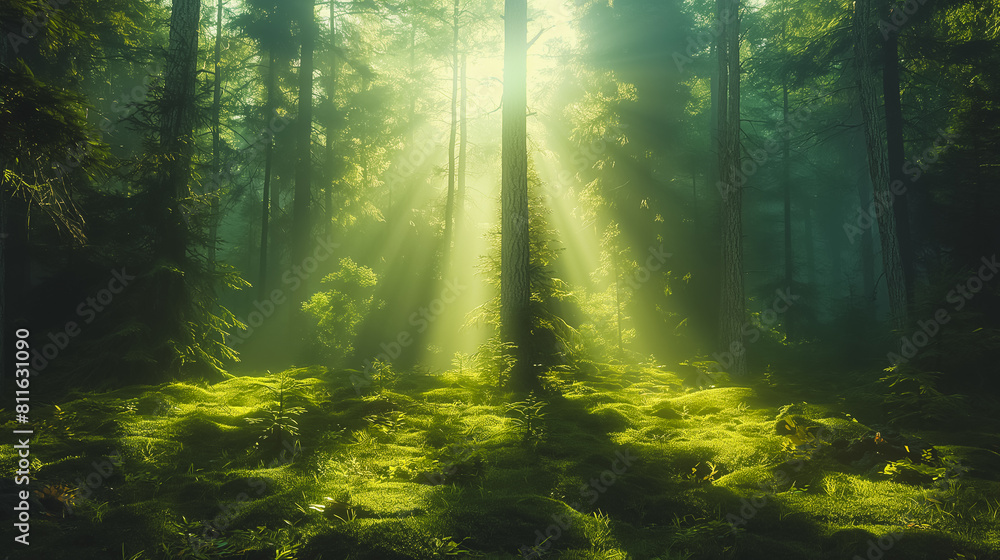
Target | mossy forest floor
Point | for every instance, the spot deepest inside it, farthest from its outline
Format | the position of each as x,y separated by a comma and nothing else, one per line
617,462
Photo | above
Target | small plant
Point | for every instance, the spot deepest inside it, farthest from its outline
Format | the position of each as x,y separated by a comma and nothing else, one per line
279,420
445,547
193,543
495,360
528,417
382,374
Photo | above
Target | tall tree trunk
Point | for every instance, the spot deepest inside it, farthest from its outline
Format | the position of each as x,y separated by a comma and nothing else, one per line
177,127
894,140
301,224
449,209
786,179
865,26
331,94
269,114
733,308
867,253
463,150
515,287
213,218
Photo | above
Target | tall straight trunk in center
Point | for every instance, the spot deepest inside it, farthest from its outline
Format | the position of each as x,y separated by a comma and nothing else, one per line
268,157
463,148
896,155
449,209
303,169
733,307
786,179
177,127
213,218
331,93
515,288
866,27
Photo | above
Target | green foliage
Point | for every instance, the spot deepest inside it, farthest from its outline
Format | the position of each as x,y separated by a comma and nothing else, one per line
494,360
279,420
337,311
914,397
528,418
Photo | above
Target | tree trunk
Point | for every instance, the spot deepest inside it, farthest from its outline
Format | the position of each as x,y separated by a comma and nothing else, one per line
331,94
867,254
269,114
177,127
732,309
463,149
301,224
786,179
449,209
865,26
894,138
213,218
515,287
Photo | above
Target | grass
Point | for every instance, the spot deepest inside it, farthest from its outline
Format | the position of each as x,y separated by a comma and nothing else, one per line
625,463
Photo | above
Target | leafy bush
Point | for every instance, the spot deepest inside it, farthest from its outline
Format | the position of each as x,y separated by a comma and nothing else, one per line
337,311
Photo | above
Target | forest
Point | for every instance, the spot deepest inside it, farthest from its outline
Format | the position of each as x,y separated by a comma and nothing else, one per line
568,279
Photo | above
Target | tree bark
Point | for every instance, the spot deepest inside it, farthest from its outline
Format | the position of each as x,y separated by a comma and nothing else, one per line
786,179
733,307
894,140
515,288
463,149
449,209
331,94
301,224
213,218
269,114
177,127
865,27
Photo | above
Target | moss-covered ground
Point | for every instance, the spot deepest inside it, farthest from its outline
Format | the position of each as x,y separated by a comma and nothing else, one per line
612,462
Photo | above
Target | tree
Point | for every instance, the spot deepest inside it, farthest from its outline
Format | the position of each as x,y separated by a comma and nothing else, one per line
301,224
515,288
449,211
733,306
177,127
865,27
213,225
895,153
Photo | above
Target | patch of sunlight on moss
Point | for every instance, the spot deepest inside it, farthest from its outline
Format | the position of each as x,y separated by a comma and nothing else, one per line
711,401
617,416
449,395
186,393
748,477
389,499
